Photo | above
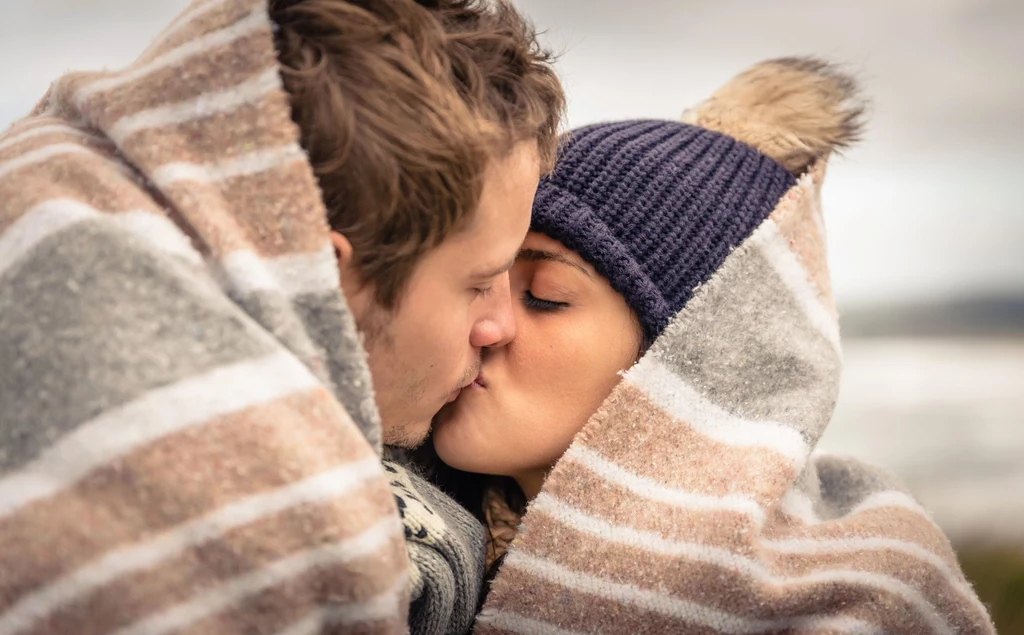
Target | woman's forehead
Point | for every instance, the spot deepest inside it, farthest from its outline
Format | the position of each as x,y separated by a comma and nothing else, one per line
539,247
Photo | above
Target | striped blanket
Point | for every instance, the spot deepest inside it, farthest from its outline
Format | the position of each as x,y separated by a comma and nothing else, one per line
693,502
188,440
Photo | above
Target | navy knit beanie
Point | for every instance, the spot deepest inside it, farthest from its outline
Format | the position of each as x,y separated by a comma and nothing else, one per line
656,206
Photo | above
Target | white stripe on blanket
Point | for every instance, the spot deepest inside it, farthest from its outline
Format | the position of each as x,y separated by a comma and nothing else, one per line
653,542
320,487
672,394
527,626
521,624
892,498
246,272
168,409
228,168
201,106
381,607
775,248
817,546
44,153
56,215
210,601
709,617
654,491
52,129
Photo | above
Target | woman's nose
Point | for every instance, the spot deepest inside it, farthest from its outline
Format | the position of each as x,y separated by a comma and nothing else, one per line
497,324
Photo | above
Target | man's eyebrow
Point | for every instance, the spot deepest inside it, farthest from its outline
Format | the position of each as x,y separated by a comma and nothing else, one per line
497,272
540,255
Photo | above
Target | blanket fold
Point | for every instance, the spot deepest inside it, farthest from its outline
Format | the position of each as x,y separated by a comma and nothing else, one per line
188,439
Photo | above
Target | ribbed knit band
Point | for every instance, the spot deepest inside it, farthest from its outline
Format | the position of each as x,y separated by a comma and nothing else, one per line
656,206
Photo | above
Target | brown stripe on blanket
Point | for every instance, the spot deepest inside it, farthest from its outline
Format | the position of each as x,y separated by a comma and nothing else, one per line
393,626
219,68
84,178
173,480
35,137
281,217
722,587
221,15
799,219
277,609
209,139
41,120
712,468
537,598
619,506
715,586
931,581
32,121
895,523
95,149
274,610
261,617
246,550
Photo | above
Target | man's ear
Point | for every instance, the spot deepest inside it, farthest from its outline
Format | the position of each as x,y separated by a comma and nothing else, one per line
351,285
342,250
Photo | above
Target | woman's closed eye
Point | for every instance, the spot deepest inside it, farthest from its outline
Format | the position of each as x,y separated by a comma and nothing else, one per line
539,304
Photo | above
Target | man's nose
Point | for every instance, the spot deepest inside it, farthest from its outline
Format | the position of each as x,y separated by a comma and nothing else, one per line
497,324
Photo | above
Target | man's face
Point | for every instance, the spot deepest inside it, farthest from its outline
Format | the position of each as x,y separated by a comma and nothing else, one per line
456,303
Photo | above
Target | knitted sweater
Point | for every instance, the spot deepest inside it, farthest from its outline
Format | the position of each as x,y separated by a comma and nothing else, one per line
693,500
188,439
445,544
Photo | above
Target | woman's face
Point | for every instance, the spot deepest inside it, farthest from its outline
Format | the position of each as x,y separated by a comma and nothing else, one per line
574,334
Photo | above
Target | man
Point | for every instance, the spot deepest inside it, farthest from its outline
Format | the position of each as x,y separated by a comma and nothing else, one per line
187,424
412,148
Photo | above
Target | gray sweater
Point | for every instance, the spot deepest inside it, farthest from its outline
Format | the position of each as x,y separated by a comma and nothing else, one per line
445,544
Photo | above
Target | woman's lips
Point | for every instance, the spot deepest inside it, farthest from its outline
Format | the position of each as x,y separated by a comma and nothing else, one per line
477,382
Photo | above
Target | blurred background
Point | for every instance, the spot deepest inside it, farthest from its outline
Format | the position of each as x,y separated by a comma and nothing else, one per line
925,217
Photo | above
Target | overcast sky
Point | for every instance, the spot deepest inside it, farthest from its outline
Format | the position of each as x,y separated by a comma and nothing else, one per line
930,205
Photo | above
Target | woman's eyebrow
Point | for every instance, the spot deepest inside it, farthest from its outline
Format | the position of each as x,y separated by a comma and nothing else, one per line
539,255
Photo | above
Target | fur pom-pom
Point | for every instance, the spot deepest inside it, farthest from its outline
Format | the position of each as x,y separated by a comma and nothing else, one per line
795,110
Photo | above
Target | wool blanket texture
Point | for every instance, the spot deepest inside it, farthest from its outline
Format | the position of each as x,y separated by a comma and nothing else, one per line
188,438
693,501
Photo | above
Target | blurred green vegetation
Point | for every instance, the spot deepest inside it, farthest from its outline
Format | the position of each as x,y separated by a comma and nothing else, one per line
998,576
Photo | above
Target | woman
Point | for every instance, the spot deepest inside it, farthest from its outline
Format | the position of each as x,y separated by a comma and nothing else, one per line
675,285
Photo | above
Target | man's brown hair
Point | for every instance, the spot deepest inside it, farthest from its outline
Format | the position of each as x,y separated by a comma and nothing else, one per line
402,105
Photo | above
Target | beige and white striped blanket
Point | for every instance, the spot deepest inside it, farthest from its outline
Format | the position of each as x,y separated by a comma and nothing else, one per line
692,501
188,440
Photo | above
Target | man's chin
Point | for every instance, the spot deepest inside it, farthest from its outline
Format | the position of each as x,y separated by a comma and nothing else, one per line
408,436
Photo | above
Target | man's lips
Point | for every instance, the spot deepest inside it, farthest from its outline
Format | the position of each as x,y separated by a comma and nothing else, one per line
478,382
